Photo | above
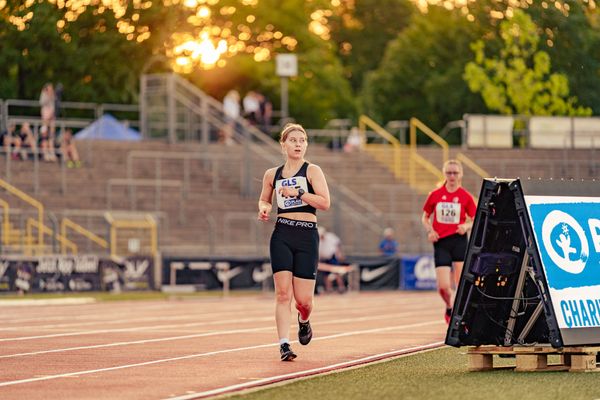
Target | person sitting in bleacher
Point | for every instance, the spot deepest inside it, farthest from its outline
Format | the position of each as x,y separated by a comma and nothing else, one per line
69,150
24,141
7,139
46,144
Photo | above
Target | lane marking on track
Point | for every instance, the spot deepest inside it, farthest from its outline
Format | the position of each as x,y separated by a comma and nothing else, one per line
211,353
307,373
95,314
47,302
205,334
141,328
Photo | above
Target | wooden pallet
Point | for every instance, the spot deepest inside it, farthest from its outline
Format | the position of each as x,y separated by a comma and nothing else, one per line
535,358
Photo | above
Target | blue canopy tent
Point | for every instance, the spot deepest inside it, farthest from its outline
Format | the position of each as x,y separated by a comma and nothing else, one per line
108,127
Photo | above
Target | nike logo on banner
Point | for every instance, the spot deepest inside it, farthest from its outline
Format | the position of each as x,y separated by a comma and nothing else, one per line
224,276
3,268
368,275
260,274
136,269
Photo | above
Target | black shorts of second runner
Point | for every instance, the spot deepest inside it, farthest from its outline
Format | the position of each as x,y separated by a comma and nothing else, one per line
295,247
449,249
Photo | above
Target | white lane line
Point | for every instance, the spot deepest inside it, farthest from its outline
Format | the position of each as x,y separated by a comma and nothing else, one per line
94,316
205,334
127,320
197,355
120,330
309,372
47,302
231,309
115,344
94,313
83,311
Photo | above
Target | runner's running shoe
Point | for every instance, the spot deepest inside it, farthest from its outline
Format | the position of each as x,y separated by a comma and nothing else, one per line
304,332
286,352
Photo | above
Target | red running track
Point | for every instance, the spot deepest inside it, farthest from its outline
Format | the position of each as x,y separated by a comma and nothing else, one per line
187,349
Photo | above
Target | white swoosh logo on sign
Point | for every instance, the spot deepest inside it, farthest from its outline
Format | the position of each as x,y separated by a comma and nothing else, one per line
368,275
260,274
3,268
228,275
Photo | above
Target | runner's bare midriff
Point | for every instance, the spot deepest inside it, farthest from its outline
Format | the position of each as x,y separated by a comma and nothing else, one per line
299,216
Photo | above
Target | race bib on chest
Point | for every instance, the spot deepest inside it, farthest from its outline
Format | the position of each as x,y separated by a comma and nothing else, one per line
296,182
447,213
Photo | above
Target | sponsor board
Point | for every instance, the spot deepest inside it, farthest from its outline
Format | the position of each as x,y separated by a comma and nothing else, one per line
567,234
417,273
73,273
214,273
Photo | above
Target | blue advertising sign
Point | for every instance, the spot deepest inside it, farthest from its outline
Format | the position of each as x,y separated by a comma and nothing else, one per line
417,273
567,234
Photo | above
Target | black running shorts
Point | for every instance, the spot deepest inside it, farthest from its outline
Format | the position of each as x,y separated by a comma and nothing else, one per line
295,247
449,249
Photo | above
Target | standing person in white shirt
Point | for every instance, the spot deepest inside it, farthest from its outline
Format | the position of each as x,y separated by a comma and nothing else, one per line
330,253
232,109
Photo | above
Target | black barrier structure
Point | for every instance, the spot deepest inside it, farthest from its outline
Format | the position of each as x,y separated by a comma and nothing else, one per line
532,269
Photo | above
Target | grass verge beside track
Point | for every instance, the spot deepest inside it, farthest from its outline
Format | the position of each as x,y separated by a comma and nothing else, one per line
438,374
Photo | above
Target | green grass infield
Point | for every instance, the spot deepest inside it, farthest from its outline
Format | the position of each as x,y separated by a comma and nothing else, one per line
437,374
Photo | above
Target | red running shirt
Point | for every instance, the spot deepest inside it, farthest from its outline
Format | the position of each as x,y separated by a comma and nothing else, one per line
451,209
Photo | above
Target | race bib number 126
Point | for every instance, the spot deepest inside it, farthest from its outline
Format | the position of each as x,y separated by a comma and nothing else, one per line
448,213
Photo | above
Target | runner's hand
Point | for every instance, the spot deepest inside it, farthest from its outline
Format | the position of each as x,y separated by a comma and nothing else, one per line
432,236
263,213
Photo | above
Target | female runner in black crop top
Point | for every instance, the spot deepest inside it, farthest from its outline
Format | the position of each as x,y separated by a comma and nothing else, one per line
300,189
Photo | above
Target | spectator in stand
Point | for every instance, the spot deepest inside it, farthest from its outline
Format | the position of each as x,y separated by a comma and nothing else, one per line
330,255
231,108
25,142
48,104
7,140
58,93
46,144
265,113
251,105
354,141
69,150
388,245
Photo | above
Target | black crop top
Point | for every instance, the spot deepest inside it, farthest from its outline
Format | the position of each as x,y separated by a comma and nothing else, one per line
298,181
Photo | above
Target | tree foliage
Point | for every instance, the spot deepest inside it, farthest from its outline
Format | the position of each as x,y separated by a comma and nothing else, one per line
519,80
572,43
99,54
98,48
420,74
361,31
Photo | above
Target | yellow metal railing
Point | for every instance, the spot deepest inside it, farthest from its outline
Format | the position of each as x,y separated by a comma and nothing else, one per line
67,223
43,229
467,162
416,124
5,222
363,123
416,167
437,172
148,222
30,200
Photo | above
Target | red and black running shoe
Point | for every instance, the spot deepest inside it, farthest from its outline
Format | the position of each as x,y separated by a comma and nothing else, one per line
304,332
286,352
